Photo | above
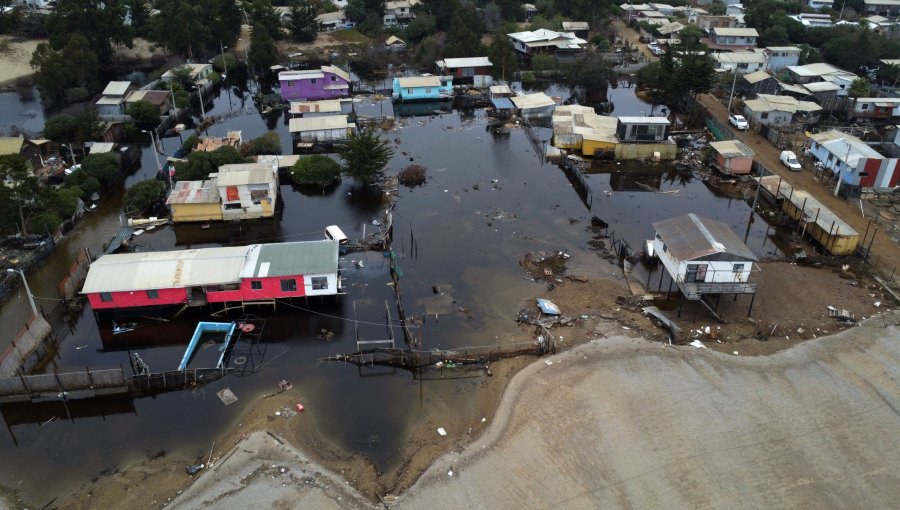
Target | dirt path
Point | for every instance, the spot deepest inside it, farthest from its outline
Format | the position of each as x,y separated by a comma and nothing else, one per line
885,251
622,422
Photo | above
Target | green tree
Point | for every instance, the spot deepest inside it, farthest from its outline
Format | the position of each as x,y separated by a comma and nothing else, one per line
74,65
717,8
26,195
100,22
268,143
67,129
177,26
889,74
464,34
143,112
139,10
859,88
358,10
365,155
541,63
592,74
503,56
302,21
419,28
144,194
316,170
200,164
263,52
66,201
103,167
263,15
81,180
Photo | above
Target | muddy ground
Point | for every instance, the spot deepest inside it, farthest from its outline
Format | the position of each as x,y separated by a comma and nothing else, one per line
790,298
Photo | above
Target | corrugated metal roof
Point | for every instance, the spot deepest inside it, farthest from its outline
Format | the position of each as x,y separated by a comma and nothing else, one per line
337,71
194,192
453,63
575,25
756,77
502,103
500,89
319,123
735,32
165,269
529,101
419,81
393,40
116,88
732,149
102,147
11,144
326,106
689,237
644,120
109,100
821,86
244,173
283,259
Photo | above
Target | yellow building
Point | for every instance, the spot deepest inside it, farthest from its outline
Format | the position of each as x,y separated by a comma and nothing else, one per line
195,201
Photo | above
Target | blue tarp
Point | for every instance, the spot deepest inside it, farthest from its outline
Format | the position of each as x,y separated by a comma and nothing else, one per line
502,103
548,307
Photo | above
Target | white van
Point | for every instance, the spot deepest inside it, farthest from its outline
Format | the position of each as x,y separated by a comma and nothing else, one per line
335,233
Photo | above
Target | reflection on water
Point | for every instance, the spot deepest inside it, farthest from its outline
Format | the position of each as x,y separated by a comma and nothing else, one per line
487,200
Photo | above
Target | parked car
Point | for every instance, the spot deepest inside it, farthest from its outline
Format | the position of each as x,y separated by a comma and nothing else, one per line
644,39
738,121
789,159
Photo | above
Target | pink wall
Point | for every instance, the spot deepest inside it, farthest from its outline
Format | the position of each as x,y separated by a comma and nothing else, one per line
138,298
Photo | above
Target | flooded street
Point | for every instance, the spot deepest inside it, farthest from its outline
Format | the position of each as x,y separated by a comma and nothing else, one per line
488,200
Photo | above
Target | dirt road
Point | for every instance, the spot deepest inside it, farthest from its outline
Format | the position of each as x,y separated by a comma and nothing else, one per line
622,422
885,251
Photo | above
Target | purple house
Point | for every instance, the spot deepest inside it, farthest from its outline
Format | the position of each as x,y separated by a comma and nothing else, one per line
329,82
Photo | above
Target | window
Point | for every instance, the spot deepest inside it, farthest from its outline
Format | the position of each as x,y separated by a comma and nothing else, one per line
737,268
865,106
106,297
428,90
153,294
764,115
229,286
333,78
409,91
235,205
290,83
256,285
312,80
665,248
319,282
289,285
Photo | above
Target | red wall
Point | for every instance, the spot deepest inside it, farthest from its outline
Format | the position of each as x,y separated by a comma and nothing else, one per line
871,167
138,298
271,288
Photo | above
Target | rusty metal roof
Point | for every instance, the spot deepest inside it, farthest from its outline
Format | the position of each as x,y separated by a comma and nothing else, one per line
690,237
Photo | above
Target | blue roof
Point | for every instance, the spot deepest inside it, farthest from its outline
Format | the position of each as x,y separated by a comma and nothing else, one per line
502,103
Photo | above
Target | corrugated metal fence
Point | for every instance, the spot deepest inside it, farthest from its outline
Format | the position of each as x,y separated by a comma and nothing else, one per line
29,386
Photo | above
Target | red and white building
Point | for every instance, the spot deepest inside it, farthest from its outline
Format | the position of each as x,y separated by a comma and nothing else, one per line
254,274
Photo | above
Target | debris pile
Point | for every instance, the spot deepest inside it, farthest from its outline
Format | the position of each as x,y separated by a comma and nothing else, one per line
544,267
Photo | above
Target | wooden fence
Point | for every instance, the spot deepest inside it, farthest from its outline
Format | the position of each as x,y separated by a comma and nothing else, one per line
71,283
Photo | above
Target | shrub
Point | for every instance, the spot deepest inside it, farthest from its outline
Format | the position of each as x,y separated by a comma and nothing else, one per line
269,143
316,170
413,175
143,112
143,194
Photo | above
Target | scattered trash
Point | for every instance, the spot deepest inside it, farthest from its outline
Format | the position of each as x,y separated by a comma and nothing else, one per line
548,307
358,264
800,330
85,345
300,407
227,396
441,431
286,412
877,304
284,385
698,344
194,469
626,327
735,353
439,364
450,473
483,420
548,362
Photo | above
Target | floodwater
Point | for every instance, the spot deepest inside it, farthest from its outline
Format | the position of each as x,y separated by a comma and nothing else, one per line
488,200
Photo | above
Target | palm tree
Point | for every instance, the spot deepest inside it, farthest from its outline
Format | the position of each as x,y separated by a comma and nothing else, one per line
859,88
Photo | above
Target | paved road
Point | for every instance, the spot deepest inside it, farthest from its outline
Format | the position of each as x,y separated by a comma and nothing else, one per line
885,251
622,423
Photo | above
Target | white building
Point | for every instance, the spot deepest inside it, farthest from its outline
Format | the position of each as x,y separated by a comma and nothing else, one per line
247,190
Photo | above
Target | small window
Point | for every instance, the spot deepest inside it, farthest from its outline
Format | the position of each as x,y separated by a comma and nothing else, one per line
333,78
153,294
409,91
665,248
737,268
256,285
106,297
865,106
764,115
312,80
232,206
289,285
290,83
319,282
428,90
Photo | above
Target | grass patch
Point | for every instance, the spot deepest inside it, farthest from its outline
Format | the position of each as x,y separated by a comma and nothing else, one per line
350,36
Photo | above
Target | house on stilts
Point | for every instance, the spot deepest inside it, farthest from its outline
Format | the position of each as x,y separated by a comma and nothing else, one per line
705,258
219,278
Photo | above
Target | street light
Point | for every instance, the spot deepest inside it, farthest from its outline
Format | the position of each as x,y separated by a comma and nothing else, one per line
27,289
199,88
159,167
224,63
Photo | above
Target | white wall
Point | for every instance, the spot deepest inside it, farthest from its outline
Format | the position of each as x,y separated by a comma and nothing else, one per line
716,271
330,290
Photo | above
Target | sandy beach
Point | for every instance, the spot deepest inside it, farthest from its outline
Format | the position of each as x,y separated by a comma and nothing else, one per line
624,422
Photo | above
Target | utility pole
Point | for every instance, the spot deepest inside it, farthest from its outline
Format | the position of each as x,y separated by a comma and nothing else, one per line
224,63
34,308
733,83
159,167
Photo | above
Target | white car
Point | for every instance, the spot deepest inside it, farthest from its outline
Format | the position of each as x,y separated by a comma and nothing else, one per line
738,121
789,159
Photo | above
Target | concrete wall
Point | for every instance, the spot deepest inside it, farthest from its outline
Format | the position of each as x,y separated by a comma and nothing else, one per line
196,212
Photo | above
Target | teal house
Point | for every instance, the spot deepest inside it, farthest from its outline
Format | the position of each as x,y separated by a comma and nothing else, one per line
423,88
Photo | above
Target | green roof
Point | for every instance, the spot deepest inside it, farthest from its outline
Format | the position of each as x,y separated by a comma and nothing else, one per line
304,257
11,144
